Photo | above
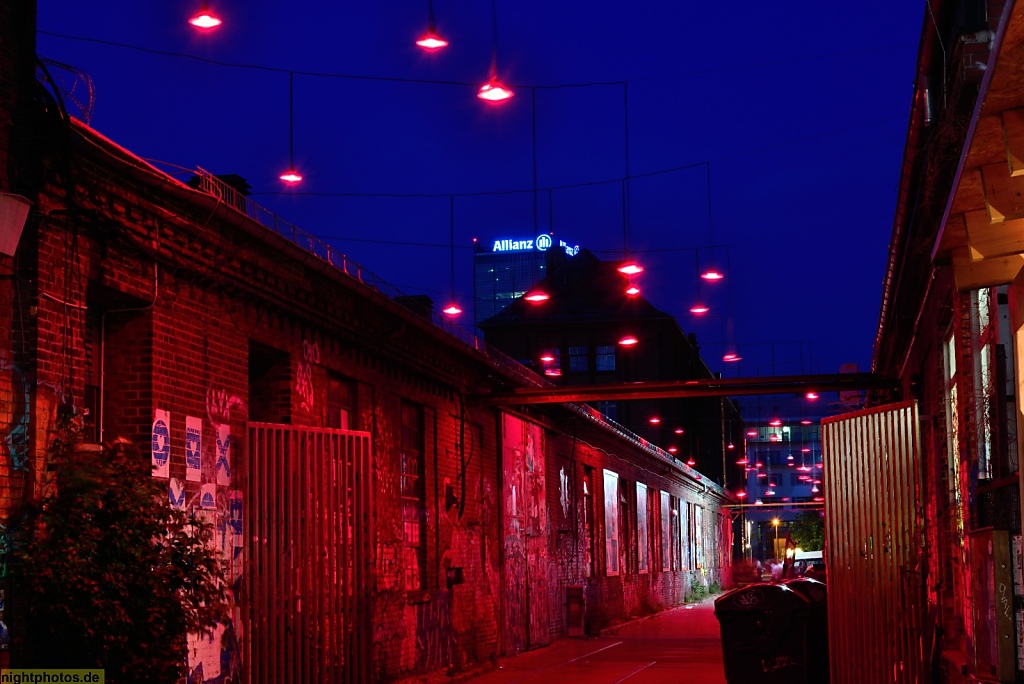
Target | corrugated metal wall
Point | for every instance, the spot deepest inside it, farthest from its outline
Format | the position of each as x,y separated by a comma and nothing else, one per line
308,550
873,545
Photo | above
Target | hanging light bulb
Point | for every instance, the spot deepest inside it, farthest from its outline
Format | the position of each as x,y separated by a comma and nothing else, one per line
712,274
699,309
632,290
536,296
731,357
628,341
452,309
630,268
741,494
654,420
431,40
672,449
495,91
690,462
291,175
204,19
547,357
811,396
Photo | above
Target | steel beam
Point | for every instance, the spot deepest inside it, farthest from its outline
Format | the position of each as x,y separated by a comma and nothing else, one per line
682,389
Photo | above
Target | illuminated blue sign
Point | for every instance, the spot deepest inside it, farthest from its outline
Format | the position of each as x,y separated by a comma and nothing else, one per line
541,243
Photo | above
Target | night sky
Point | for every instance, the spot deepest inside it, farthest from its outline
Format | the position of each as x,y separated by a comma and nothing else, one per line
796,111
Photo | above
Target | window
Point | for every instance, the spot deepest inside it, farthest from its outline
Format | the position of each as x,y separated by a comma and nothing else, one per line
611,523
642,528
340,403
666,537
952,407
588,521
605,357
414,499
676,532
578,359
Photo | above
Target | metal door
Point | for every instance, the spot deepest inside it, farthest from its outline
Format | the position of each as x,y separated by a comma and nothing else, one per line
873,545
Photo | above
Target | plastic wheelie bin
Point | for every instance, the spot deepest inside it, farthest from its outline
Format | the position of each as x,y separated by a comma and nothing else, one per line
816,594
764,634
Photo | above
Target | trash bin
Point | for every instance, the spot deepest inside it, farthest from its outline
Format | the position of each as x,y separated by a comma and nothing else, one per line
764,634
816,594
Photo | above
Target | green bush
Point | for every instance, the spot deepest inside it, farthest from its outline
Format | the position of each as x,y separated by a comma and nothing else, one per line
111,575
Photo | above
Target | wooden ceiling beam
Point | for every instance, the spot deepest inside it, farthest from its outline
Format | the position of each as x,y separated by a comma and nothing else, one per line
1004,194
1013,134
971,274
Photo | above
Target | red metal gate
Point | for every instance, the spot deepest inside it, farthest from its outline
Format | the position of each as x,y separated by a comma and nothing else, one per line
307,607
873,545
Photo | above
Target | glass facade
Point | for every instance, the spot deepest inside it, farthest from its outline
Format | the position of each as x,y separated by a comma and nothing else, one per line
500,279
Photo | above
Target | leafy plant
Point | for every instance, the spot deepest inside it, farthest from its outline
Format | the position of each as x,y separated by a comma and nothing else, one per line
112,576
808,531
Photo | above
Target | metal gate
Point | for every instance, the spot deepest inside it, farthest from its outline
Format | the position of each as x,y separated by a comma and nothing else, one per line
873,545
308,552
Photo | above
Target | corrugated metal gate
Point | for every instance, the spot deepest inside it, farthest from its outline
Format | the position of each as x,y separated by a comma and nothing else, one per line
873,542
308,497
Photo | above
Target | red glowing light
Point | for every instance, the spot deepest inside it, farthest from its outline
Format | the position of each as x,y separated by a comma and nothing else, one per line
630,268
819,465
632,290
762,474
494,91
553,372
654,420
806,450
699,309
741,495
759,464
672,449
679,431
731,357
790,464
730,445
819,498
811,395
769,492
536,296
806,422
814,489
628,341
293,176
775,423
205,19
547,357
452,309
712,274
431,40
759,502
789,458
742,461
751,433
690,462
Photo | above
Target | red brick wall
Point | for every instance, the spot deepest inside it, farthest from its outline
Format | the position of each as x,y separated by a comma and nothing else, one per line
200,320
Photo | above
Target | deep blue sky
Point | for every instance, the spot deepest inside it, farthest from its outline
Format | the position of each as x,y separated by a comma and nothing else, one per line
799,109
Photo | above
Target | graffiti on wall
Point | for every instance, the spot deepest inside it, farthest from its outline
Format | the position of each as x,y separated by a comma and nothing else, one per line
304,373
221,404
527,570
16,432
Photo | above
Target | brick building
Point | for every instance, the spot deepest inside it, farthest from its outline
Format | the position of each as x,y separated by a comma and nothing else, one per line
376,520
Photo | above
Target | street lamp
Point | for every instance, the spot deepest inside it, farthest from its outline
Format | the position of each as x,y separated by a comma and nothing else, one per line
775,524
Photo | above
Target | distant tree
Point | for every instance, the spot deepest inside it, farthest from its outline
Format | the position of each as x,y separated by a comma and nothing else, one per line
112,576
808,531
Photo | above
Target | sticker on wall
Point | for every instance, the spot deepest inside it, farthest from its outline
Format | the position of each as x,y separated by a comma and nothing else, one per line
193,448
176,493
235,512
208,498
223,455
161,443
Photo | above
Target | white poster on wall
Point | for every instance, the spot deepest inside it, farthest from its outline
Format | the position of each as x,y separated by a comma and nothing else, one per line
223,455
193,448
161,443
